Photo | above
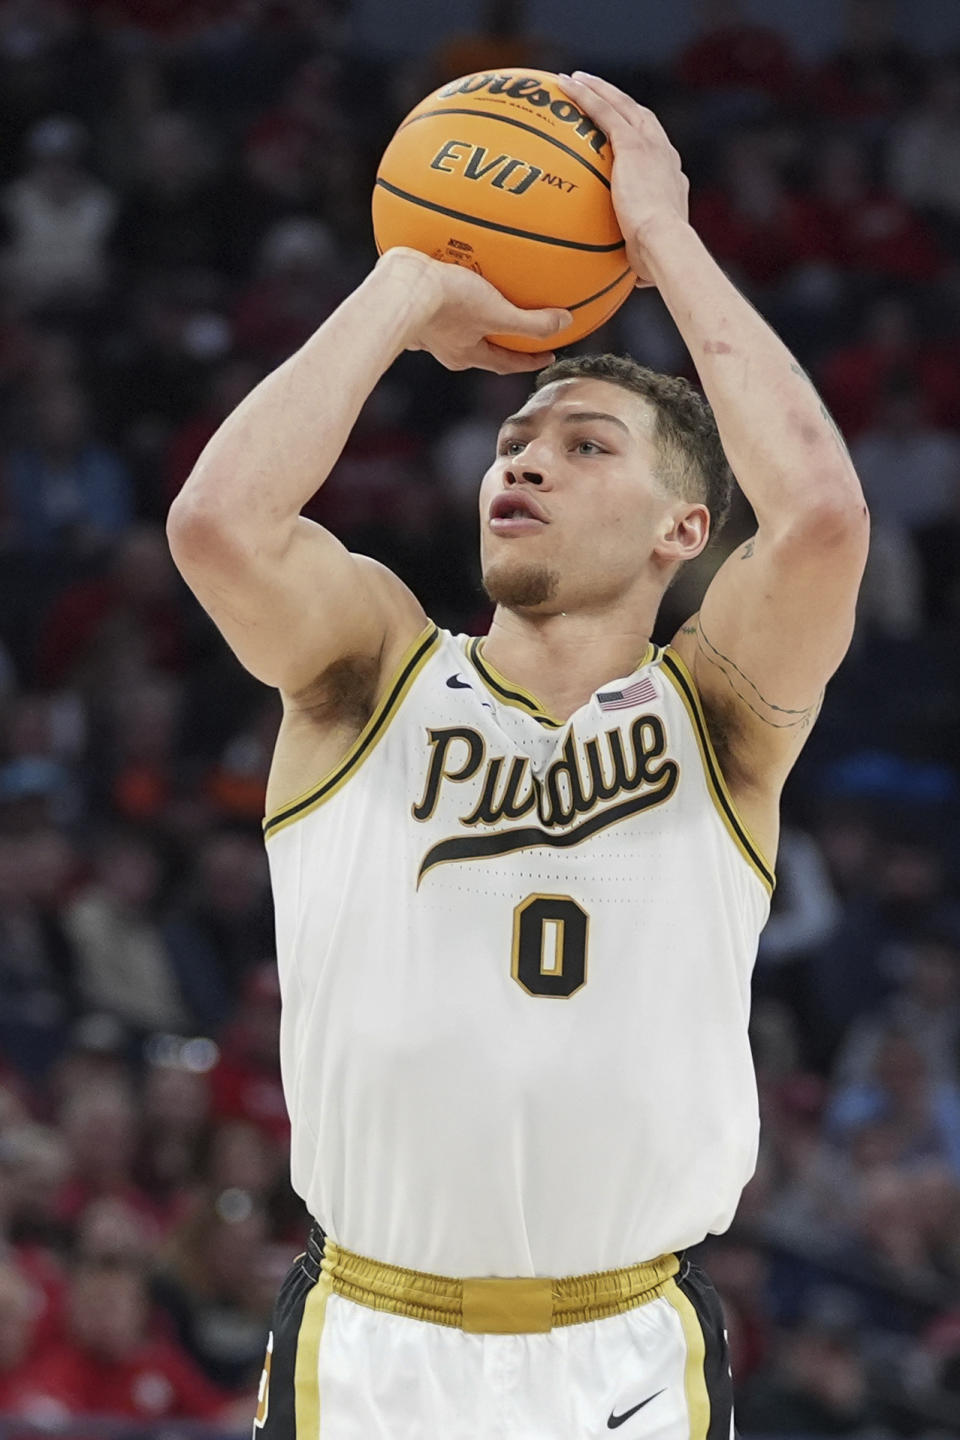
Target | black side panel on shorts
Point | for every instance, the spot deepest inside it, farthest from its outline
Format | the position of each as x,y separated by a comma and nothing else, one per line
716,1359
277,1413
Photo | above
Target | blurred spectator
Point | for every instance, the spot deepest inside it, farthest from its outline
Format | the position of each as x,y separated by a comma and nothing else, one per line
18,1323
38,967
927,1008
901,1092
227,385
58,220
501,38
893,346
100,1125
175,1115
750,220
297,288
909,469
734,53
873,73
237,783
216,1284
870,231
221,926
805,909
123,967
171,217
246,1082
112,1360
140,595
924,154
818,1385
66,490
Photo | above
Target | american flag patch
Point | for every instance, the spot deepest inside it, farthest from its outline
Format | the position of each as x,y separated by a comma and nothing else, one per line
641,692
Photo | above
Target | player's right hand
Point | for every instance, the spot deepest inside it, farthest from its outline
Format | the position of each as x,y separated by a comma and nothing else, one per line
460,309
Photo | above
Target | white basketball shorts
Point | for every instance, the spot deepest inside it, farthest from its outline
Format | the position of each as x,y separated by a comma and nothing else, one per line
365,1351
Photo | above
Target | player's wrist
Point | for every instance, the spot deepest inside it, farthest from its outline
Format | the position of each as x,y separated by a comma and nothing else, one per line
413,279
654,237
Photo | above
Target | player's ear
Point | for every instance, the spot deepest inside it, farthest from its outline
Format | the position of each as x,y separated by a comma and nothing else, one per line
683,534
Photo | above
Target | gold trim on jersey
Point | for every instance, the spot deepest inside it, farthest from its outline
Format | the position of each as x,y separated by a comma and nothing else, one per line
516,695
370,736
694,1376
506,690
306,1380
493,1306
683,682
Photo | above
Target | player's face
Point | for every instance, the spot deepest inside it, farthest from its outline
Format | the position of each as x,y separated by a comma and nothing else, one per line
572,510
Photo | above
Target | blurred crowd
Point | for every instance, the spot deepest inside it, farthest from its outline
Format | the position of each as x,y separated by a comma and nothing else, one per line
184,196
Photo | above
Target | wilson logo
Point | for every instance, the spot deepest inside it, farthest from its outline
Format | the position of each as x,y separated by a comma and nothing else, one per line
529,89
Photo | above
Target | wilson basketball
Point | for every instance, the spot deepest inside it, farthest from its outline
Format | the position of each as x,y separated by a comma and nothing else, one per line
503,173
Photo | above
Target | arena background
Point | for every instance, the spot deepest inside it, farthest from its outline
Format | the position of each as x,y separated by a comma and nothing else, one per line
184,196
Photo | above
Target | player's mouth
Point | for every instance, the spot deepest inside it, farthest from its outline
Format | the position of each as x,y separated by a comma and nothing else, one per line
515,512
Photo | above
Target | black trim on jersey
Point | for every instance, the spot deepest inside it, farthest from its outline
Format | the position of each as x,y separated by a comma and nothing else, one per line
386,709
516,696
495,225
530,837
713,772
519,125
716,1357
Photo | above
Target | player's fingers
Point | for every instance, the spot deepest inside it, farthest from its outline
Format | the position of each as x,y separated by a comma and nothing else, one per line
620,103
607,116
540,324
511,362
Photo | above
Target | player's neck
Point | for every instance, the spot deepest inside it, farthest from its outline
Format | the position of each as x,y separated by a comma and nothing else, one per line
563,658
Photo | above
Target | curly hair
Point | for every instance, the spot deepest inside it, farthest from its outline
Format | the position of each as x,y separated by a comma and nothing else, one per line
692,462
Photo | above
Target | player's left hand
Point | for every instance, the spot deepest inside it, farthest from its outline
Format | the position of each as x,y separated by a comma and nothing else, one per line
648,180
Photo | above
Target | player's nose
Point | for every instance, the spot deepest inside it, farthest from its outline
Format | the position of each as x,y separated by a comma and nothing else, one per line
528,477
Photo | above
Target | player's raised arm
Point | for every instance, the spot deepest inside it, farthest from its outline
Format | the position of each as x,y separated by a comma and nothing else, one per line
778,617
288,597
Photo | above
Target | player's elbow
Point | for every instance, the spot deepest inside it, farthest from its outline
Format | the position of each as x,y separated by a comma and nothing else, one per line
835,519
198,531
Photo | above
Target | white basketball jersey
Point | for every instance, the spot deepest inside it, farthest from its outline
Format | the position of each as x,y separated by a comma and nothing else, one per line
515,958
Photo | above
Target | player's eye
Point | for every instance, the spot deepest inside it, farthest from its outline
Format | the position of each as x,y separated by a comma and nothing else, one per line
511,447
589,447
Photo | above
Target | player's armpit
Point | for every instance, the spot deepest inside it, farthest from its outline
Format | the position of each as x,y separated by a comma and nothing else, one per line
774,625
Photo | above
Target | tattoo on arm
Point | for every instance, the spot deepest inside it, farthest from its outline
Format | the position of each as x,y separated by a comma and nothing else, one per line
834,427
776,716
747,550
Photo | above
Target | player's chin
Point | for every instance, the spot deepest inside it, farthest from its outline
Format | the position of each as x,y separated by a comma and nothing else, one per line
520,584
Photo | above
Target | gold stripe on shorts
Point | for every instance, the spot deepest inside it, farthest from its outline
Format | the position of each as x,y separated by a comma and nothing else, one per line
306,1382
694,1377
493,1306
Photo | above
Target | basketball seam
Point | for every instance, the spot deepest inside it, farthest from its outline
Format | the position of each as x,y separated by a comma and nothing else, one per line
521,125
495,225
590,298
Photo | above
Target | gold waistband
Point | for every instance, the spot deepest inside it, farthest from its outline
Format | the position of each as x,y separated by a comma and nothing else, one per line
493,1306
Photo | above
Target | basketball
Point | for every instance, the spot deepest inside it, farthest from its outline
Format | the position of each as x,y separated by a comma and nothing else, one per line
503,173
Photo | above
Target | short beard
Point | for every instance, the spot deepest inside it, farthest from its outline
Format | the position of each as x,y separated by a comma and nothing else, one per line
521,588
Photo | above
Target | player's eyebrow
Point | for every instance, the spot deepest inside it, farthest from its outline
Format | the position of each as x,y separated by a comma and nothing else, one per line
575,417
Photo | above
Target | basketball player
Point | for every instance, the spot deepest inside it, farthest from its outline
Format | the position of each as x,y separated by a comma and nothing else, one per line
519,881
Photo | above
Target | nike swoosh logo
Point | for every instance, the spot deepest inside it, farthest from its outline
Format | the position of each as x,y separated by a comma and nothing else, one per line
455,683
616,1421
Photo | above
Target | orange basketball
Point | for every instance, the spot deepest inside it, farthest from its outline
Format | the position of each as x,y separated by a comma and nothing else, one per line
502,172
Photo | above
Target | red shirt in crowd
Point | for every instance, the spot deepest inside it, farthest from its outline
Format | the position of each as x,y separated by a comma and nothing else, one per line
158,1381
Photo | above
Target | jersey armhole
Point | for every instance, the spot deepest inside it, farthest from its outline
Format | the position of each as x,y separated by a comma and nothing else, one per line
370,736
685,685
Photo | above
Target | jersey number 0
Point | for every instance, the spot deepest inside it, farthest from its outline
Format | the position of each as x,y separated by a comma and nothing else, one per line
549,945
